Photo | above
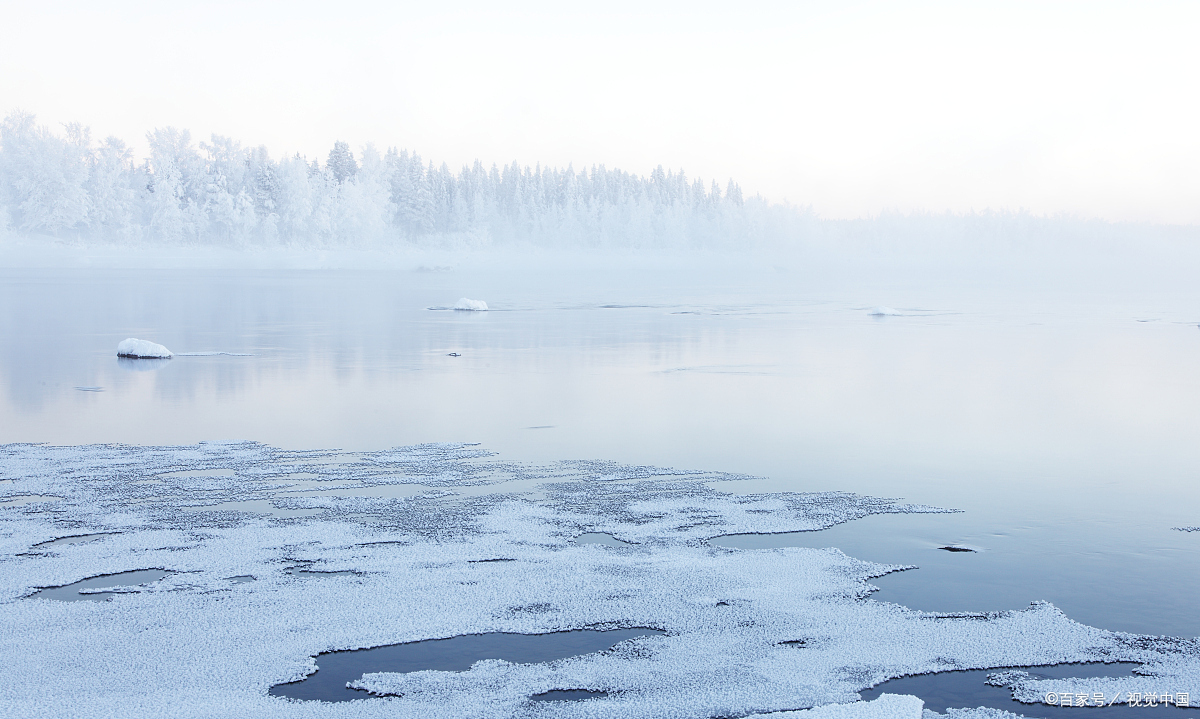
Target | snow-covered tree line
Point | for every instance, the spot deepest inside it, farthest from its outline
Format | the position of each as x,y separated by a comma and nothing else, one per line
218,192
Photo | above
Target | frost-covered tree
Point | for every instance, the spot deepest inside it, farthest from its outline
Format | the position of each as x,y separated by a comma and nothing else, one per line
112,191
44,176
341,162
294,200
229,193
263,185
179,185
221,192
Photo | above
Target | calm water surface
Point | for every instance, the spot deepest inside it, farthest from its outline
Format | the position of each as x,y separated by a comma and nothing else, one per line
1063,424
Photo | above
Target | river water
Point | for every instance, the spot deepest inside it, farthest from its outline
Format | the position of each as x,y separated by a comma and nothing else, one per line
1062,423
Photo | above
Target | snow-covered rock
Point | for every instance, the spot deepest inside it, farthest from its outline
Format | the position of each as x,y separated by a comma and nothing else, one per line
142,349
882,311
473,305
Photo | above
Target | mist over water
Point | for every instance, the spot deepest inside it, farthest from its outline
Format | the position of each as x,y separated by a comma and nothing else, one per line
635,360
1059,415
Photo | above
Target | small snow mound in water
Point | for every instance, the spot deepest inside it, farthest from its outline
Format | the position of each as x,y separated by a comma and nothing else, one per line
473,305
882,311
142,349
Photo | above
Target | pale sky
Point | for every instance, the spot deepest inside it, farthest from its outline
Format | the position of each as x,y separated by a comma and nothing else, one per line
852,108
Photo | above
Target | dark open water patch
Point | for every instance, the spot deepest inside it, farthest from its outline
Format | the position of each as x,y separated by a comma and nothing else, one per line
969,689
303,572
73,539
602,539
71,592
454,654
568,695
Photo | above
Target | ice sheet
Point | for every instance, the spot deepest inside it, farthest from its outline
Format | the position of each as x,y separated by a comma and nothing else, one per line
887,706
197,644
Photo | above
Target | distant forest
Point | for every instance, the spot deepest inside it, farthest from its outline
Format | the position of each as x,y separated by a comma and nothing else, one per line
218,192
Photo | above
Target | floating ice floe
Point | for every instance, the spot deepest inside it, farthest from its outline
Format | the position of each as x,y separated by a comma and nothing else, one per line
134,348
744,631
882,311
472,305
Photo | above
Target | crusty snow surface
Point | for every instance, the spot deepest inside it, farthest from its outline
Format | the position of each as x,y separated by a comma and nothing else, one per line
199,644
886,706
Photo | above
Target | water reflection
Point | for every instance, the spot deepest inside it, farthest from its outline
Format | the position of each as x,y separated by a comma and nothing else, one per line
141,364
1064,428
1011,568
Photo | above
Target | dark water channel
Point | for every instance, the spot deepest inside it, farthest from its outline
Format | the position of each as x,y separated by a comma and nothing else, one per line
454,654
73,539
604,540
567,695
969,689
73,592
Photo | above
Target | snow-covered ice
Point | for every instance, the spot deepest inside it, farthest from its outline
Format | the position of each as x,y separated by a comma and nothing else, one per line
975,713
1166,676
886,706
882,311
142,349
199,643
465,303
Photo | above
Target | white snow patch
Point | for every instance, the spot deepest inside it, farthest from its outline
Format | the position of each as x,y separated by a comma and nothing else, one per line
882,311
470,304
195,645
142,349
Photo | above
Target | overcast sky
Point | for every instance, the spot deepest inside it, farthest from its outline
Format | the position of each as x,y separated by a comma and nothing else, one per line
1088,108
